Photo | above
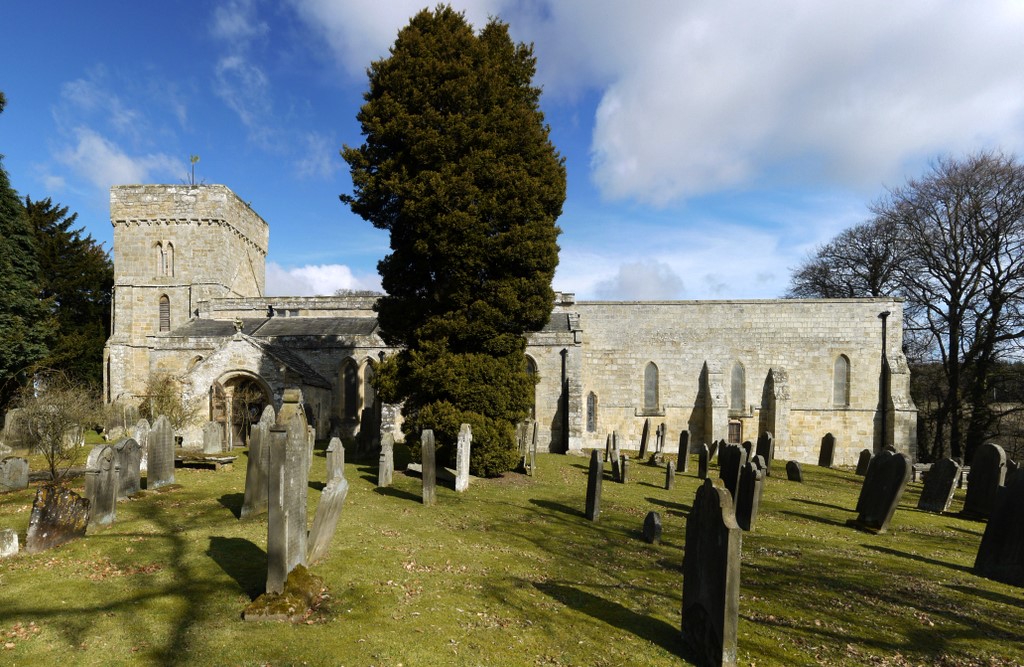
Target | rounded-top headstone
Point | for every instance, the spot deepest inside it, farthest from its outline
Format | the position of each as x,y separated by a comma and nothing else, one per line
652,528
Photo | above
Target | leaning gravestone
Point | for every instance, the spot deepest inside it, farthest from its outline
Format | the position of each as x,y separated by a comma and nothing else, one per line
129,460
644,435
13,473
1001,553
257,469
670,475
988,472
828,451
289,484
730,458
328,510
140,434
59,515
711,577
863,461
160,469
748,495
594,476
713,450
766,448
794,472
939,485
703,454
102,479
386,462
608,448
429,467
462,451
684,451
883,486
213,438
8,542
652,528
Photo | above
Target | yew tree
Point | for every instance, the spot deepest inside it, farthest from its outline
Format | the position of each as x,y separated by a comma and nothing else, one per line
458,166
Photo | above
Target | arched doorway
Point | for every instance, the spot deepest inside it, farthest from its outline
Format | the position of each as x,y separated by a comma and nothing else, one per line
238,400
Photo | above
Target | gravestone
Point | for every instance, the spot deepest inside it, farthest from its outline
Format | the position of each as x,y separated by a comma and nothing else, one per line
988,472
533,448
863,461
883,486
643,438
794,472
213,438
616,463
595,475
59,515
8,542
1012,470
659,444
140,434
703,454
291,405
311,440
652,528
608,448
102,480
711,577
730,458
257,469
939,486
748,451
462,451
748,495
13,473
428,467
1001,552
766,448
684,451
712,450
328,510
624,470
828,451
760,463
670,475
160,469
129,460
288,491
386,462
268,416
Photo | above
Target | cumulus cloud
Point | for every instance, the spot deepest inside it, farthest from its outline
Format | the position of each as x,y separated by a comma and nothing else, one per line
642,281
103,163
316,280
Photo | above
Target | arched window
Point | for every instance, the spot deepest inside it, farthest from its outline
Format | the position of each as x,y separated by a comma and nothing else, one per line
165,313
651,388
531,372
841,382
738,389
169,259
591,412
368,394
350,390
161,260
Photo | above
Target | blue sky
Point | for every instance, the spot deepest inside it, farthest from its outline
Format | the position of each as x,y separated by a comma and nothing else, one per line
710,145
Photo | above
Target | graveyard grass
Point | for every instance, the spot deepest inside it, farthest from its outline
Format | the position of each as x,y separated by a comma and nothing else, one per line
508,573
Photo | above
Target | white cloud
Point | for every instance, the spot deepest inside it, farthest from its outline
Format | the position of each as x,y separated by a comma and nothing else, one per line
245,89
642,281
314,280
104,164
321,158
236,23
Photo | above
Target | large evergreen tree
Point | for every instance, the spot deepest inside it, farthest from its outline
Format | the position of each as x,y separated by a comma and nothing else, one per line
75,277
458,166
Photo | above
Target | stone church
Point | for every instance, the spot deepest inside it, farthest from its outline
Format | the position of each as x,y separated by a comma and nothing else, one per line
189,302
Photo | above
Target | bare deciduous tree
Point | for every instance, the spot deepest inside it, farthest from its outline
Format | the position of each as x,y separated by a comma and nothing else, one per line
55,414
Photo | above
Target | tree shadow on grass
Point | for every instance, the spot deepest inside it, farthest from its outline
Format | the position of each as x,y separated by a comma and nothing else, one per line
678,509
920,559
243,561
999,598
557,507
813,517
233,502
814,502
965,531
614,614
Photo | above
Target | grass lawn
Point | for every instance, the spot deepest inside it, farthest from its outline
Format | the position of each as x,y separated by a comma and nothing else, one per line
508,573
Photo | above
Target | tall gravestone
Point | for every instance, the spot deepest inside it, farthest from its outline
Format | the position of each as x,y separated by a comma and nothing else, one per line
59,515
703,454
462,451
1001,552
616,462
386,462
268,416
624,465
711,577
289,485
332,499
257,469
670,475
863,461
13,473
883,486
988,472
794,472
748,495
595,474
160,469
827,453
102,479
532,467
939,486
140,434
748,451
129,461
730,458
684,451
213,438
712,450
652,528
608,448
766,448
644,435
429,467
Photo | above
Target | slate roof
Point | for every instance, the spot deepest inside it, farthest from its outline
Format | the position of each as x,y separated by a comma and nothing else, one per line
294,362
264,327
559,323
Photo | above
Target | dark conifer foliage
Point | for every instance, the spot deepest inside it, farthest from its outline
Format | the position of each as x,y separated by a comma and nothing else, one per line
458,166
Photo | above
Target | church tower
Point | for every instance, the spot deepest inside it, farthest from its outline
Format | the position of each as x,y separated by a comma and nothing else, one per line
174,246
